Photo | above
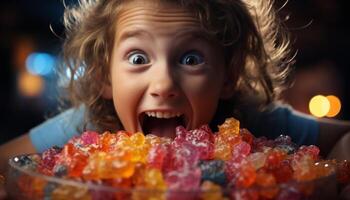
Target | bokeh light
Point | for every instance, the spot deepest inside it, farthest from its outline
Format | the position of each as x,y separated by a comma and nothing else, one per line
335,106
319,106
30,85
42,64
78,73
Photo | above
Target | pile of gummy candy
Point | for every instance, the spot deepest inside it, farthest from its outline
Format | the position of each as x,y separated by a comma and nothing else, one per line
196,164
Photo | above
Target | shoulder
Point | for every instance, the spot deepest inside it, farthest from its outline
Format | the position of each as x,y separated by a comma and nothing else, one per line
58,130
278,118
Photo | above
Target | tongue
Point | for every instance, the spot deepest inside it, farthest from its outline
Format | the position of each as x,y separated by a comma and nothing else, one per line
161,127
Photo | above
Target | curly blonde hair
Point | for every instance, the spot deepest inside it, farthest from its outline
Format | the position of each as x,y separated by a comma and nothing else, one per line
255,44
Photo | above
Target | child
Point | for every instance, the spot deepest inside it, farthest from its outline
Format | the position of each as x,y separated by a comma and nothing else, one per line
151,65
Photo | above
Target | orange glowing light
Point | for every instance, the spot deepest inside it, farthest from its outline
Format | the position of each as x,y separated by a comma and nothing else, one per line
30,85
335,106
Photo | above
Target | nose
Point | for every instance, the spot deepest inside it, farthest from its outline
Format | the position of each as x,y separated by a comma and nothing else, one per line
163,83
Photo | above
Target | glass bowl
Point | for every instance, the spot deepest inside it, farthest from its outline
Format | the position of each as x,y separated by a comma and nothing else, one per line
23,182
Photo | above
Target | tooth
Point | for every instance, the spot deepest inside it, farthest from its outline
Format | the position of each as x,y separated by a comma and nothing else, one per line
150,114
167,115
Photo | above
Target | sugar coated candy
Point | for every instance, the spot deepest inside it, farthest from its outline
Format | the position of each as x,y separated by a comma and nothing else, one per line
196,164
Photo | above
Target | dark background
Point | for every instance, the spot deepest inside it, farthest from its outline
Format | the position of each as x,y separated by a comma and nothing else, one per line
318,30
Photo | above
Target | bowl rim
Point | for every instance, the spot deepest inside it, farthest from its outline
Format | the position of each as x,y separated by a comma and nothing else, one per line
95,186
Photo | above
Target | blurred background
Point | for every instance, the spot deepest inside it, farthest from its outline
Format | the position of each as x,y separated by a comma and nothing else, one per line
29,54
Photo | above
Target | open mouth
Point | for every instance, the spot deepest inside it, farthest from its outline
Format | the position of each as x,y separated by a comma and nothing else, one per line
162,124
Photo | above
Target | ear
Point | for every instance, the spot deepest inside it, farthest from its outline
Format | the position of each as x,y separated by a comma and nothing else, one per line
107,91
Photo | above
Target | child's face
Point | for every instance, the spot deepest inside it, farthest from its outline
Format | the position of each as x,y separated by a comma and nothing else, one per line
164,71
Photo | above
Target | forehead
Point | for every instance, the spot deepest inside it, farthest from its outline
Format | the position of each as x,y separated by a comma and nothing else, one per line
157,10
163,18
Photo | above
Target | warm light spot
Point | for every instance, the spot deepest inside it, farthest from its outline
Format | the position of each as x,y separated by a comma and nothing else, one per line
30,85
22,47
319,106
335,106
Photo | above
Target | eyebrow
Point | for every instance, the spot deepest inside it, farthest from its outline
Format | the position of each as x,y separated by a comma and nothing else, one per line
191,33
194,34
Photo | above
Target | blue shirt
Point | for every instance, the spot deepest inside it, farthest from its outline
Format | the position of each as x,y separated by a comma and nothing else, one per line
280,119
57,130
274,121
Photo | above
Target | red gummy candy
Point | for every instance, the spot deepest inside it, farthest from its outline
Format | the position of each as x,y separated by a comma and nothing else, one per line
241,150
201,139
283,172
90,138
312,150
49,157
274,157
260,143
185,156
156,156
246,176
247,136
108,142
184,180
74,159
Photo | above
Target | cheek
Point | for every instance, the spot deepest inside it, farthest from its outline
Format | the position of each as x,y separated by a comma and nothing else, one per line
203,93
125,98
206,87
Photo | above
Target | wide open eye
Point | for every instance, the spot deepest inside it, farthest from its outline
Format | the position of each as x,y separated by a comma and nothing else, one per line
138,58
192,58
